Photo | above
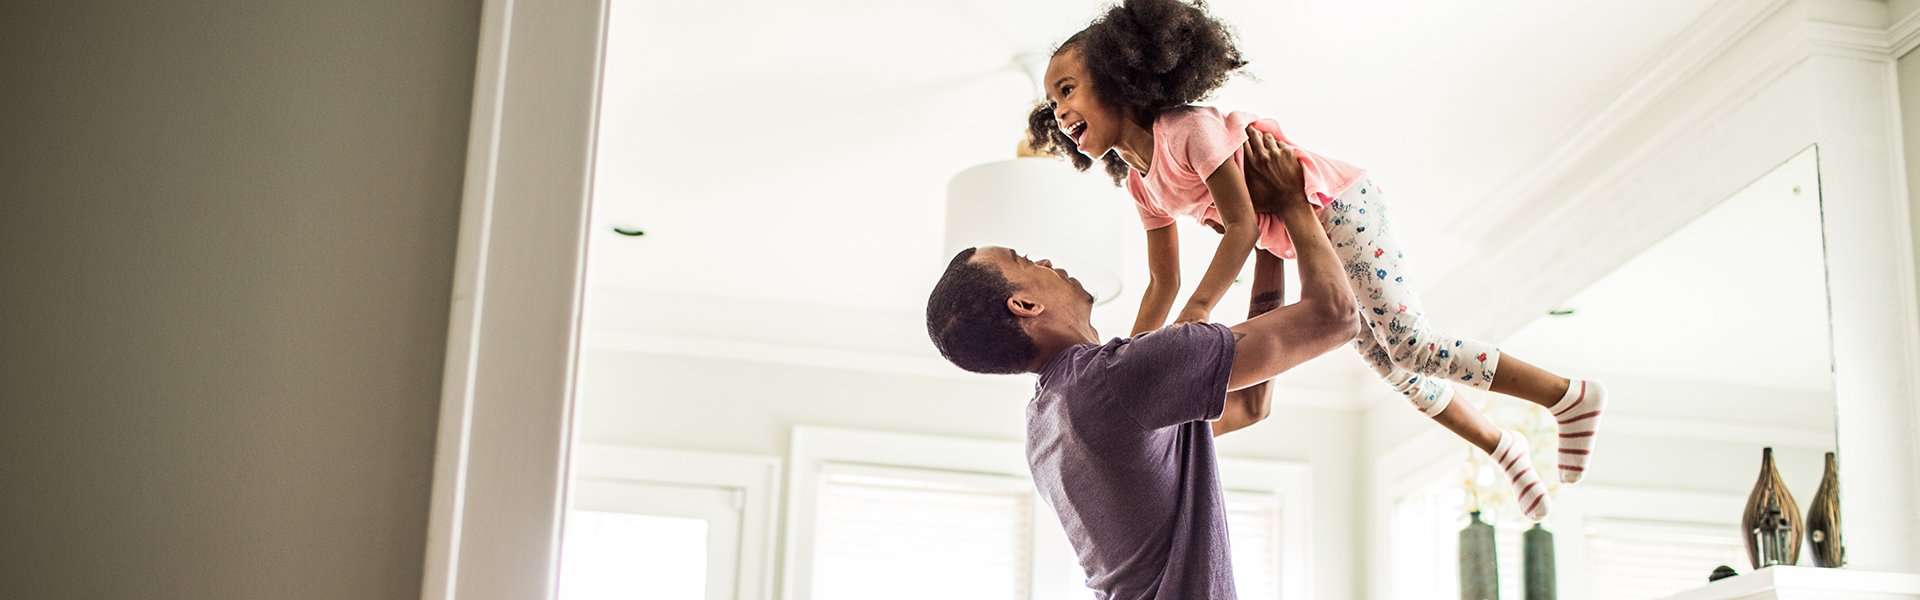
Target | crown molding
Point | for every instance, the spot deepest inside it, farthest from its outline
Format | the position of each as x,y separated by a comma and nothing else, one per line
1851,41
1521,231
1696,47
1597,179
1904,36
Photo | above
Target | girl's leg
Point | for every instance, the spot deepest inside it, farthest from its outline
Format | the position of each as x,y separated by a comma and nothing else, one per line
1358,226
1577,411
1434,396
1429,395
1509,450
1522,380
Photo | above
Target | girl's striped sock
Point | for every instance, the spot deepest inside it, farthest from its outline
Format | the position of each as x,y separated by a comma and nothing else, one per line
1513,456
1579,415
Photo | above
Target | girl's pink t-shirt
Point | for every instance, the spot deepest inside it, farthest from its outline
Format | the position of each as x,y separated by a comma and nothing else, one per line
1190,142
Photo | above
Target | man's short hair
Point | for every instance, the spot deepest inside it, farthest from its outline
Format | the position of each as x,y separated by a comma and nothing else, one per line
967,318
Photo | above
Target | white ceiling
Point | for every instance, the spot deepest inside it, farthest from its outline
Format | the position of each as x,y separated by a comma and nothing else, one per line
794,155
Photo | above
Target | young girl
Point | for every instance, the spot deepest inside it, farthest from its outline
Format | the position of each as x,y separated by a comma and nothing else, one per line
1121,90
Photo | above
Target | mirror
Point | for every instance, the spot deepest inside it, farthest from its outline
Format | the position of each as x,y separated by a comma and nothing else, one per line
1714,344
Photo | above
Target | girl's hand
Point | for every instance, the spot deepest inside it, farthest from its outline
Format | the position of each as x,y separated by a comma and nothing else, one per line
1193,314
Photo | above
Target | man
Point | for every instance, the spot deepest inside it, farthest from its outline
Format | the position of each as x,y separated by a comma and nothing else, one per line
1120,434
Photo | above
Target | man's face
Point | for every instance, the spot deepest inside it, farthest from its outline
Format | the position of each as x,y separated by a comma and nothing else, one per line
1039,281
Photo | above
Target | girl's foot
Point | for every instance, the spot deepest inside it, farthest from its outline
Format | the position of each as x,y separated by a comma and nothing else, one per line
1579,415
1513,456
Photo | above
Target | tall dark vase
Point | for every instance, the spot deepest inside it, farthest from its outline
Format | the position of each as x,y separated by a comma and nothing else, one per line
1771,524
1479,572
1823,520
1537,547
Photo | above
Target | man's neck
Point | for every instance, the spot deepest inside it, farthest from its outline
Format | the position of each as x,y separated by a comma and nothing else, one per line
1051,347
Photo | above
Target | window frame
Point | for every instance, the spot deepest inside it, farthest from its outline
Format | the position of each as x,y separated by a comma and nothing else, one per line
815,450
755,479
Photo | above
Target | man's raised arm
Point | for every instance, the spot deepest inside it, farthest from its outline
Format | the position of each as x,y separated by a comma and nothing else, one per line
1251,404
1324,317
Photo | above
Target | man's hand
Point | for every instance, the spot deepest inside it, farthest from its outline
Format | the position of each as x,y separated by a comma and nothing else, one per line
1273,177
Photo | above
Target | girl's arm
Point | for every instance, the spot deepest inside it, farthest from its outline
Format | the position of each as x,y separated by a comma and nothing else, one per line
1163,263
1229,188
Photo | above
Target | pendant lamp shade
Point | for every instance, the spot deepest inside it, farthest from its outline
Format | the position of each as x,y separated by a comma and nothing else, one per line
1044,209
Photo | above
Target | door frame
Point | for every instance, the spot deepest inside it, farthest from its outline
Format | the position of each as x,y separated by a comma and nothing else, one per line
507,393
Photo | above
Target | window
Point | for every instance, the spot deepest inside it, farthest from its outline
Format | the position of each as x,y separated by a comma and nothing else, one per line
612,555
1653,559
1253,532
1426,549
893,533
880,515
667,525
615,522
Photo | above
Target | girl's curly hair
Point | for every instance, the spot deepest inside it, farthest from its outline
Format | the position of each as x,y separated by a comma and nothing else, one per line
1144,55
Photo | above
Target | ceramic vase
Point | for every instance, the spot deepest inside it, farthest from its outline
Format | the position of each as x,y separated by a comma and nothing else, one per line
1537,546
1479,573
1823,520
1771,525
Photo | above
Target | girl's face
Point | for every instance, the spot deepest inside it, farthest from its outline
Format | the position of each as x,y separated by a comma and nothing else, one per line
1094,127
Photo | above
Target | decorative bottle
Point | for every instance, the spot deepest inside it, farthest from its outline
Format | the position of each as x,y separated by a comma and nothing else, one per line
1771,525
1823,520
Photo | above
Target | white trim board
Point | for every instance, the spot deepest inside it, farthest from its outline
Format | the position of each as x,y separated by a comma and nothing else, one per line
1808,582
500,466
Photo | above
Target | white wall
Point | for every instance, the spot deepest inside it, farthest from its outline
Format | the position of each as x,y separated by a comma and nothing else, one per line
226,246
662,401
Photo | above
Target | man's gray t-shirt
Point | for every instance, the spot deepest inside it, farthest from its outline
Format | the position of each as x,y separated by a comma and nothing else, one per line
1119,445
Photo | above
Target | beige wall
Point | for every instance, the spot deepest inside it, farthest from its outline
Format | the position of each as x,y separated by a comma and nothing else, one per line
1908,69
226,244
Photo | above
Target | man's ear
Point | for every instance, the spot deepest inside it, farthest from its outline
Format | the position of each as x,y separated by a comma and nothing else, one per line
1022,307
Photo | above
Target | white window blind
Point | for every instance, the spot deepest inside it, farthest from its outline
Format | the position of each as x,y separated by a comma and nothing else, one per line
1253,532
886,533
1652,559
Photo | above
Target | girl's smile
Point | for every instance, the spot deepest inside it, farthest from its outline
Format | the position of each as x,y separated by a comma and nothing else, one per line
1094,127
